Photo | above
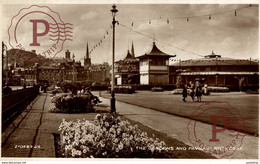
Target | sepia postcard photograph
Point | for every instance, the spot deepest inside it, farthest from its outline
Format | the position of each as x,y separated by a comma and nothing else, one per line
129,80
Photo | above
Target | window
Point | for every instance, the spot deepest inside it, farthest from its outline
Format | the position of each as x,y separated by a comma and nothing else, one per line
158,61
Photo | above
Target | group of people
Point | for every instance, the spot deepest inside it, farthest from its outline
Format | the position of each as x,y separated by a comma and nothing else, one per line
194,90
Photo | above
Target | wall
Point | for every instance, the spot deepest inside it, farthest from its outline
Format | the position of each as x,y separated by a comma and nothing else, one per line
159,79
144,66
144,79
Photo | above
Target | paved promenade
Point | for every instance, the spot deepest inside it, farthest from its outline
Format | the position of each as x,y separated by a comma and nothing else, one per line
32,132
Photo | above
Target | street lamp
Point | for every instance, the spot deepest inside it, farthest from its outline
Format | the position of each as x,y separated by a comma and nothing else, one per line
113,100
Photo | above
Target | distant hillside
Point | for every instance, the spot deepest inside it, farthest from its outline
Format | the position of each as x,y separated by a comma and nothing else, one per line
26,58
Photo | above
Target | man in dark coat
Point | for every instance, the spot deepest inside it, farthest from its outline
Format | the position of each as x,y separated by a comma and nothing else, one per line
184,92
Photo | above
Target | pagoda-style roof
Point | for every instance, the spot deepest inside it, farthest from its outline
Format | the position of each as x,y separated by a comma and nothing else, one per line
155,52
128,59
129,56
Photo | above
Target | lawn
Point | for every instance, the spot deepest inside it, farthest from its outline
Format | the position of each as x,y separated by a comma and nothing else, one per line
246,104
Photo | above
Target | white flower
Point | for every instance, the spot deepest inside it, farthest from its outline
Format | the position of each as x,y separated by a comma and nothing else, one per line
112,130
152,148
104,154
74,151
102,144
121,146
79,153
98,116
116,140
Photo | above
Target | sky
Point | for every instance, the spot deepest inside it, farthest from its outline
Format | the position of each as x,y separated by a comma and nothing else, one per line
225,34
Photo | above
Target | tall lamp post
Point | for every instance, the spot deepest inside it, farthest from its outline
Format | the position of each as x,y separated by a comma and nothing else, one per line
113,100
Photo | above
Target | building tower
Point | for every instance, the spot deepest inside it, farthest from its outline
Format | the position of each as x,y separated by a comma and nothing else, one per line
87,60
132,50
67,55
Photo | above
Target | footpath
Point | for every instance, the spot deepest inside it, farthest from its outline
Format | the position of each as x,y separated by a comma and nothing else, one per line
31,134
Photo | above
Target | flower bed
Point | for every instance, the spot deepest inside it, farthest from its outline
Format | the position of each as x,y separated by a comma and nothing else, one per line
217,89
107,136
69,103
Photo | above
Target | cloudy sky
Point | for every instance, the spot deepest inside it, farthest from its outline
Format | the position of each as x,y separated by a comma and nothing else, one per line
225,34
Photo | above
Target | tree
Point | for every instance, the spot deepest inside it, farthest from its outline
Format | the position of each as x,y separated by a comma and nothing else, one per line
240,82
178,81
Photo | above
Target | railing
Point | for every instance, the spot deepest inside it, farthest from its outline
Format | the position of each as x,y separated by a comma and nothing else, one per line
15,102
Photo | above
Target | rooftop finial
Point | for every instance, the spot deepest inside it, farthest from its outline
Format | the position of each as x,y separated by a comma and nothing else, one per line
132,50
154,39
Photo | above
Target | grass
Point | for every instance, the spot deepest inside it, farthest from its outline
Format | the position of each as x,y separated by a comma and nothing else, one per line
246,104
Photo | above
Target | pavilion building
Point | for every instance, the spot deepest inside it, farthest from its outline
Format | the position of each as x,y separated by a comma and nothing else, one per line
154,67
215,70
127,70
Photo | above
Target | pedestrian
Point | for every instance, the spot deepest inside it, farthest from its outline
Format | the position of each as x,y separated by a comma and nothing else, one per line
206,92
45,88
184,93
198,91
192,87
74,90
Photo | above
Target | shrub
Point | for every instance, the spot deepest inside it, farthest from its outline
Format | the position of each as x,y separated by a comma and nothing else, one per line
149,87
56,90
99,87
252,92
123,89
157,89
72,104
107,136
